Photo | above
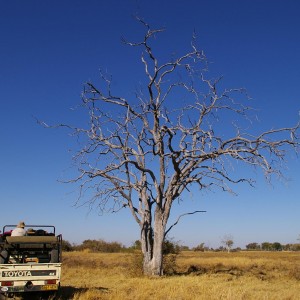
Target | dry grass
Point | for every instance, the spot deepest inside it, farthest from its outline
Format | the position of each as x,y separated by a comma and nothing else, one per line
243,275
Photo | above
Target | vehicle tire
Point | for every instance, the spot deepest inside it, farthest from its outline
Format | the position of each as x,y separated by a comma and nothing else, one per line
54,256
3,257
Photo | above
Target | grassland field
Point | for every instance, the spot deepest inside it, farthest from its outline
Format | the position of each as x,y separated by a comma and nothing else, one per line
195,275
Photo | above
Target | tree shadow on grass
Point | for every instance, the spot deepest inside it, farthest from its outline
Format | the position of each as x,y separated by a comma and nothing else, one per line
68,292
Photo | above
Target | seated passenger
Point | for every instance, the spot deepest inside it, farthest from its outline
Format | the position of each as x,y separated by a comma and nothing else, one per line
19,230
30,232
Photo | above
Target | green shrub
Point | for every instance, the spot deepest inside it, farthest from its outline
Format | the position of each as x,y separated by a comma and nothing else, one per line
66,246
100,246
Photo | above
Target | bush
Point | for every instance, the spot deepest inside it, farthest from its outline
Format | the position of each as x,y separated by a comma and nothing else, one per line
200,247
100,246
136,245
136,264
170,264
170,251
66,246
170,247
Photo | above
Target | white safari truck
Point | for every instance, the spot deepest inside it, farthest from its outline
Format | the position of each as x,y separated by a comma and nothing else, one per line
30,263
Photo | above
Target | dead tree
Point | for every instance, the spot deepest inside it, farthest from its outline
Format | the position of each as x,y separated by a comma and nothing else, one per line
228,242
144,153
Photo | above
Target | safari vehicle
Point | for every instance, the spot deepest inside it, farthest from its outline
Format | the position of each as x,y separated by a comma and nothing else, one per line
30,263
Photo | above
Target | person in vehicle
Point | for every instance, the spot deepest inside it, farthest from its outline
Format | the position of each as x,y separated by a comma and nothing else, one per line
30,231
19,230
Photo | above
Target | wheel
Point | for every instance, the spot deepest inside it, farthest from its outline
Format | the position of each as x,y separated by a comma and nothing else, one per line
3,257
54,256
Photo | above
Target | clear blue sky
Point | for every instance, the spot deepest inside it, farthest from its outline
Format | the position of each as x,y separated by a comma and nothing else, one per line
48,49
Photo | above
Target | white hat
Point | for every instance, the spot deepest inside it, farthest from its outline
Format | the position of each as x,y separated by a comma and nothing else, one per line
21,225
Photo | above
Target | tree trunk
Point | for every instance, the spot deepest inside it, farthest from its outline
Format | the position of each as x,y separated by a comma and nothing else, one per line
152,248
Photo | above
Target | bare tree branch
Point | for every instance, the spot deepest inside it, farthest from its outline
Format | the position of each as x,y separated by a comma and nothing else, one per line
186,214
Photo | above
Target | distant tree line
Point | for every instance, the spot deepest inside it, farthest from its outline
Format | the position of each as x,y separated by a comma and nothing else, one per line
171,247
265,246
94,246
276,246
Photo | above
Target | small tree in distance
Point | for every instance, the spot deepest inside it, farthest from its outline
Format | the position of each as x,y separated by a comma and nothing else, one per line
200,247
143,153
227,241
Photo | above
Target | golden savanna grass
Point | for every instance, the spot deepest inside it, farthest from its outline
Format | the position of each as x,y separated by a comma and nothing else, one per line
198,275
